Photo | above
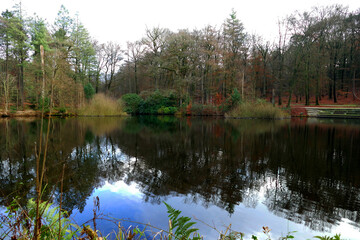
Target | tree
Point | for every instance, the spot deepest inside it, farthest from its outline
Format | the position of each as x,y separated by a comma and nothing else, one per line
210,57
353,30
100,62
6,36
279,58
264,51
234,51
89,91
335,45
154,44
21,48
113,57
82,53
60,61
134,53
63,24
40,36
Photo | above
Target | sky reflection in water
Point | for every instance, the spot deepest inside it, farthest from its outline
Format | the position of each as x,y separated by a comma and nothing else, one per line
120,200
288,175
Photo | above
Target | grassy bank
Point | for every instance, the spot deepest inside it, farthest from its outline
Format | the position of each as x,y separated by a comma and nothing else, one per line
101,105
257,109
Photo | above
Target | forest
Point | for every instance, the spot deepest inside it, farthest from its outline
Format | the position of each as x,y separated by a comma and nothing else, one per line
315,57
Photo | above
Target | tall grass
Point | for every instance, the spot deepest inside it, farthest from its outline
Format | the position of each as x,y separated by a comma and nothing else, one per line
102,105
257,109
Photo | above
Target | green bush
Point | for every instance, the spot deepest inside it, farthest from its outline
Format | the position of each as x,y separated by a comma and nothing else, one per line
235,97
157,102
153,103
62,110
89,91
132,102
44,104
167,110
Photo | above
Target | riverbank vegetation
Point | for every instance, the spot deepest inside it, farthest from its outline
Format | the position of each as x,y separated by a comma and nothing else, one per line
19,223
313,59
163,103
101,105
257,109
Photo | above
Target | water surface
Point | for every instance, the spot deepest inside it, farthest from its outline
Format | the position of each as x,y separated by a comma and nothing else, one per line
290,175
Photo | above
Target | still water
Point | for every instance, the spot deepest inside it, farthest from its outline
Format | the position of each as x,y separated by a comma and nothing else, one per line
289,175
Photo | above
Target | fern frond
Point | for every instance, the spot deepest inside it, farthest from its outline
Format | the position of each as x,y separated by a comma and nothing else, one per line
181,224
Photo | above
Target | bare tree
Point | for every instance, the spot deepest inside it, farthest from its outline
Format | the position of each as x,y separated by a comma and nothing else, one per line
100,62
113,57
154,42
134,51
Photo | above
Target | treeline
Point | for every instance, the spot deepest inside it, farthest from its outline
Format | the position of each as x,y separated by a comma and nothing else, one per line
316,55
75,65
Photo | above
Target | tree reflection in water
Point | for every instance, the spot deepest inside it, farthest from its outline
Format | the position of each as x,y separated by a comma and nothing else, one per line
306,172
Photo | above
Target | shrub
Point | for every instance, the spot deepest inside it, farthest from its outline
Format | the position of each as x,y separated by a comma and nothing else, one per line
167,110
60,110
233,100
45,104
258,109
202,110
89,91
235,97
196,109
209,110
132,102
219,99
156,102
102,105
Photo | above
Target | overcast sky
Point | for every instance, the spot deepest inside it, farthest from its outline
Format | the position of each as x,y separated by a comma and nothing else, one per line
121,21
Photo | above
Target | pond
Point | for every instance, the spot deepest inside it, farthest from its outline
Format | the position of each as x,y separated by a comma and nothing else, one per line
290,175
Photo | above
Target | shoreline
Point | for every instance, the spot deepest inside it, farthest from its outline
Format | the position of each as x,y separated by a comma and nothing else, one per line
334,111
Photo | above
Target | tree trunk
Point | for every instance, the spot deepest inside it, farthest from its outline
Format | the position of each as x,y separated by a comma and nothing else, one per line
97,82
330,89
289,100
307,84
202,88
317,92
242,87
6,84
334,85
43,73
279,98
136,83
